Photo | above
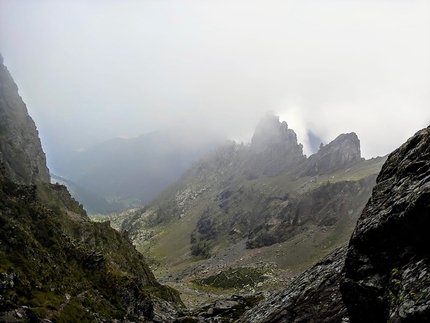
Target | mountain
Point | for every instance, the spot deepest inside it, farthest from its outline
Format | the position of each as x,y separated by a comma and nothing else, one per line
20,148
132,171
248,205
55,264
383,274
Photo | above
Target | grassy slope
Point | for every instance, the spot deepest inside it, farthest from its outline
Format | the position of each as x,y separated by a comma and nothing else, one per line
61,265
169,248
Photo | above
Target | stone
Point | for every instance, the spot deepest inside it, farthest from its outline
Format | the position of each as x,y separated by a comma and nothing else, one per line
20,148
314,296
387,264
340,153
274,149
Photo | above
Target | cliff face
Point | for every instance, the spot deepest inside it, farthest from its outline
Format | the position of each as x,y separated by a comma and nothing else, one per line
274,149
20,148
387,276
340,153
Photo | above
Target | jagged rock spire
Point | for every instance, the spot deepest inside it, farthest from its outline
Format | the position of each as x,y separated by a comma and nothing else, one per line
274,148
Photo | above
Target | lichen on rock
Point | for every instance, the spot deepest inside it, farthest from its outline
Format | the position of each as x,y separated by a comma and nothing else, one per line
387,266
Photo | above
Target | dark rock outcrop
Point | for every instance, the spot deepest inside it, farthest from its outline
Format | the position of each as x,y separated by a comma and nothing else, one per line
20,148
340,153
222,310
274,148
314,296
330,204
387,268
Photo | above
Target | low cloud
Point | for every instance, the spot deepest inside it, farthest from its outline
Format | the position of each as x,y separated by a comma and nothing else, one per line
90,71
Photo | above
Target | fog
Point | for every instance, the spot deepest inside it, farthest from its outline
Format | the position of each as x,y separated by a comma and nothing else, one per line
93,70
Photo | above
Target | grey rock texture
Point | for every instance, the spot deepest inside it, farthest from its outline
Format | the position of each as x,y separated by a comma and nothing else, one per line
387,276
314,296
20,148
340,153
274,148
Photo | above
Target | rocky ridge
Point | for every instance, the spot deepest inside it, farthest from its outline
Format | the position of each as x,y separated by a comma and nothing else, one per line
58,265
274,149
229,191
342,152
20,148
218,218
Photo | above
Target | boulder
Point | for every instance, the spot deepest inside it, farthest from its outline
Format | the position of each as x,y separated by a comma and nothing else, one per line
387,274
314,296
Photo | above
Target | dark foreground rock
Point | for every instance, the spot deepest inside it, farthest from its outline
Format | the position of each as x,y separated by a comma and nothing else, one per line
384,274
221,310
314,296
387,269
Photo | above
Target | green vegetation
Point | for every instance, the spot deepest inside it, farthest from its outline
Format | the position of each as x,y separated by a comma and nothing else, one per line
215,205
201,249
60,265
236,278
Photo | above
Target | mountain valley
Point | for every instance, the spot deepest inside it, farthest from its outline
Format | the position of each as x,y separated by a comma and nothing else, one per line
253,207
129,172
249,233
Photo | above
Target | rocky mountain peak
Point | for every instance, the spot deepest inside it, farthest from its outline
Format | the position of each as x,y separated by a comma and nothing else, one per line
272,134
274,148
20,148
341,152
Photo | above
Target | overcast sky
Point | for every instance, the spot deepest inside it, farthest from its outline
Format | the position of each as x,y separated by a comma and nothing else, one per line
94,70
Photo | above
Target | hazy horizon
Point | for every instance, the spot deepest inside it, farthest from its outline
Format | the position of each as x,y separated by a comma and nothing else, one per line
92,71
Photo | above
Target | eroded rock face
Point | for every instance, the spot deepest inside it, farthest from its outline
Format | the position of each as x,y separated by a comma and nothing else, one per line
20,148
387,276
314,296
340,153
274,148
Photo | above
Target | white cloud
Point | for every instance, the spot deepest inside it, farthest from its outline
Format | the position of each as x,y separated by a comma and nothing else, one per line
92,70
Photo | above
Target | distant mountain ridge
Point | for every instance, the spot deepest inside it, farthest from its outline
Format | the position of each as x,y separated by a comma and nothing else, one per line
133,171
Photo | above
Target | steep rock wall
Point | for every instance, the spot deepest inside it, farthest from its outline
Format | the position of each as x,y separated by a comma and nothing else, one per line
387,276
20,148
